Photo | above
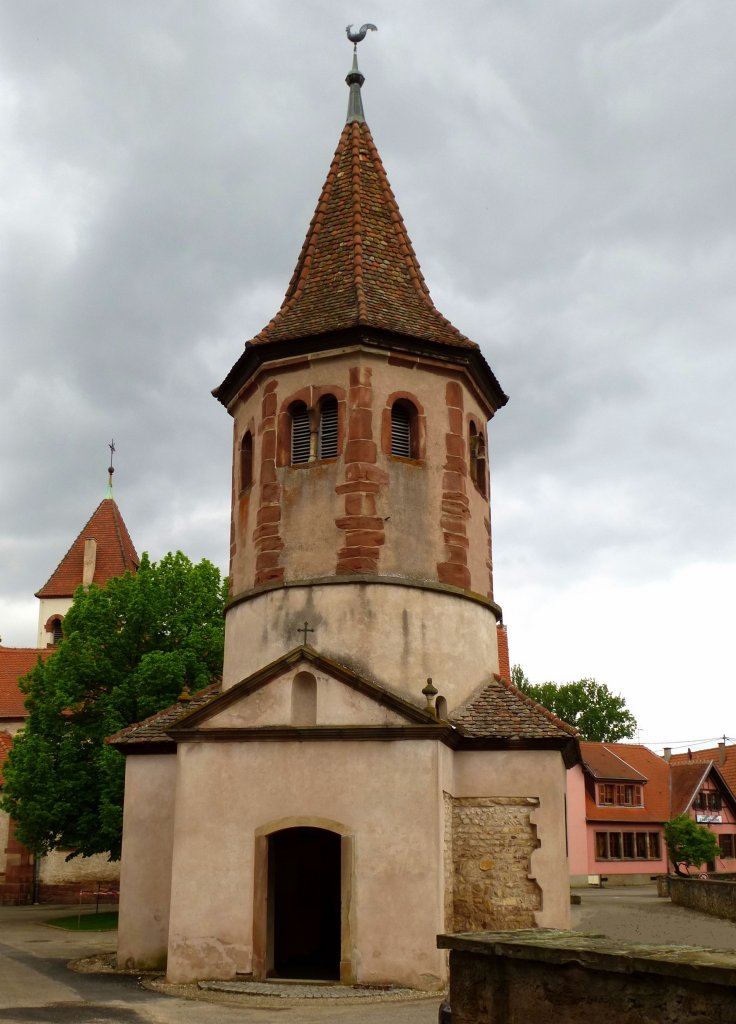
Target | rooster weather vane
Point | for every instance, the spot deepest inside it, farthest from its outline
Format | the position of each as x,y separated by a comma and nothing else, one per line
359,36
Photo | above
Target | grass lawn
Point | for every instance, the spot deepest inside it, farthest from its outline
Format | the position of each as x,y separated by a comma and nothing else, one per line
102,922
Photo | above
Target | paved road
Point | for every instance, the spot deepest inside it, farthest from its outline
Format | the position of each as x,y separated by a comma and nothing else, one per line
36,987
636,914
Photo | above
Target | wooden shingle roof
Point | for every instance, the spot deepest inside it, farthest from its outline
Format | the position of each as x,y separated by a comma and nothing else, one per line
115,553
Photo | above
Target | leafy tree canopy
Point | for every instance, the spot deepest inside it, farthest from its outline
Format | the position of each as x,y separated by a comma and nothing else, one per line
129,649
599,715
690,845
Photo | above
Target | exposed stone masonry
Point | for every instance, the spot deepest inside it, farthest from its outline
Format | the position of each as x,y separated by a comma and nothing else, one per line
455,505
267,539
364,530
491,844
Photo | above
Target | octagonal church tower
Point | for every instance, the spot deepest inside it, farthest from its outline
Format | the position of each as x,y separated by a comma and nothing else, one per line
360,501
324,814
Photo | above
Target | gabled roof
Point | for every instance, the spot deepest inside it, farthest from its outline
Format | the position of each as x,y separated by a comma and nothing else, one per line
604,763
357,271
685,782
16,662
727,755
643,764
115,553
500,716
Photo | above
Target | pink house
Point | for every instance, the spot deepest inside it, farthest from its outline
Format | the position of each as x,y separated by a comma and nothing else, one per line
618,801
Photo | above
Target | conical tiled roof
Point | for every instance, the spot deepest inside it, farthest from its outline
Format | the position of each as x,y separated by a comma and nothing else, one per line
115,553
357,267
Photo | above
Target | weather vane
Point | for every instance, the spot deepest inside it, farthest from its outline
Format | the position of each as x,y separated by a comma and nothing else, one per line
359,36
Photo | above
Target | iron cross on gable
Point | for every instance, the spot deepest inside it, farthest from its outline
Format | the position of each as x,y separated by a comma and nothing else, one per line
305,629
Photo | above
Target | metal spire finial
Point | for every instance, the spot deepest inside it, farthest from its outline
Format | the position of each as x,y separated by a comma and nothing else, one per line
110,468
355,79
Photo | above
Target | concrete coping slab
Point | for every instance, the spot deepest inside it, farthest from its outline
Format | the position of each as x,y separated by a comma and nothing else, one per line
597,952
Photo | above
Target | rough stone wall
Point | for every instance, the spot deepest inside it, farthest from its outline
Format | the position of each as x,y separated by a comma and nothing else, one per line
706,895
449,863
492,842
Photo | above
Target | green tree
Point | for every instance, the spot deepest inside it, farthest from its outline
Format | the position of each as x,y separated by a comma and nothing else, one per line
689,844
599,715
129,649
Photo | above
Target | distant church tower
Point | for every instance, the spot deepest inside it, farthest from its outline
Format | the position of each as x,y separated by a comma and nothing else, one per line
101,550
360,474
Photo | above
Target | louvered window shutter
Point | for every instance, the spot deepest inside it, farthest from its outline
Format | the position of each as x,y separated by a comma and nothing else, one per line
400,431
299,436
327,448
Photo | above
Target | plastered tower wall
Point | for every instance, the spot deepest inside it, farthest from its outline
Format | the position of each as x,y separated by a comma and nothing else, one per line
307,538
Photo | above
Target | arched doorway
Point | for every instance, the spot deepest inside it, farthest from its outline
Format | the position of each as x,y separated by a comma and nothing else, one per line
304,904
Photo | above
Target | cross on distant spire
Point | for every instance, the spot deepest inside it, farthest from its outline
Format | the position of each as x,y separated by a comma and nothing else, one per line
305,629
110,468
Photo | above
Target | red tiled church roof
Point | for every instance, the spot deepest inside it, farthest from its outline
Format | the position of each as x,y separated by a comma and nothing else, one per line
357,267
115,553
14,663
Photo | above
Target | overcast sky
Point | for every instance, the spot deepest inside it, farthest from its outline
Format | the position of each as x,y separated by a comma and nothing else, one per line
567,173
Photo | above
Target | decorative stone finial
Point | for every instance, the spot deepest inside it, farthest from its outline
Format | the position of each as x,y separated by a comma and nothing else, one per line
430,692
185,696
355,79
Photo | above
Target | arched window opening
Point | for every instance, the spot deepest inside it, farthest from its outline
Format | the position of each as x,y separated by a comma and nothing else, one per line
440,706
246,461
304,699
480,466
300,434
56,632
327,438
403,429
477,458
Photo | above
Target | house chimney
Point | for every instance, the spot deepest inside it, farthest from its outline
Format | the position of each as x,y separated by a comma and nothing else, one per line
722,752
90,558
504,664
667,754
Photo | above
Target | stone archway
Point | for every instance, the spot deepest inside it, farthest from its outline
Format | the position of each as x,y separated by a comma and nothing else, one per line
302,923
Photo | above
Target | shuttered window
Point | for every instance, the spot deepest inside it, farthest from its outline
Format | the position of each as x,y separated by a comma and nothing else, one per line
401,439
299,434
327,441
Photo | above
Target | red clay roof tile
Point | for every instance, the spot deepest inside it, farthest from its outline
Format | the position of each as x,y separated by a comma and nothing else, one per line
727,769
115,553
643,763
16,662
357,267
502,711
